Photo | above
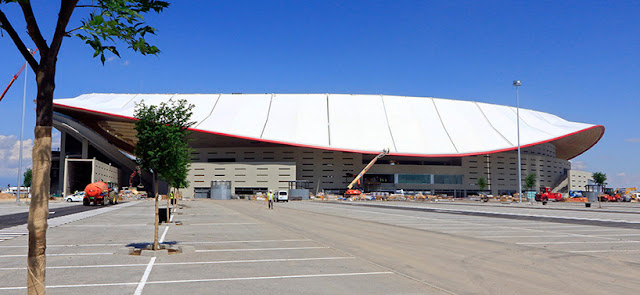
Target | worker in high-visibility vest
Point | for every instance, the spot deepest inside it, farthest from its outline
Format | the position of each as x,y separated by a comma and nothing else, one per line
270,198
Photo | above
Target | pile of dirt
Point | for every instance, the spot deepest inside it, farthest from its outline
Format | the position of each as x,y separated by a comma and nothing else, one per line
4,196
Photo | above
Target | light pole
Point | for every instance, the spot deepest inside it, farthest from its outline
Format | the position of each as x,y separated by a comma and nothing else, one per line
24,99
517,84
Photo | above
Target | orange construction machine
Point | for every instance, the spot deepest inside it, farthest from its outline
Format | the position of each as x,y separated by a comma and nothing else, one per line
99,193
356,192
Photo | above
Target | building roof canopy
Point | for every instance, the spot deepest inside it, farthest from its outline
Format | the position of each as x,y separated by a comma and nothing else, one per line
411,126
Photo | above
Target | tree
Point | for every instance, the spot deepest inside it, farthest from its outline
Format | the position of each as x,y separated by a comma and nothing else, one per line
599,178
482,183
162,146
28,175
179,180
107,22
530,181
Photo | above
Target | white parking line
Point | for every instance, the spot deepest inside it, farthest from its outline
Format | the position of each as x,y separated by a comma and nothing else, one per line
189,263
256,260
110,225
124,244
540,236
145,276
209,280
581,242
617,235
603,251
275,277
164,234
260,249
61,254
247,241
222,223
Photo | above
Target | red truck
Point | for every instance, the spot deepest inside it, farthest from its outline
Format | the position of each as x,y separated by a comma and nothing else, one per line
99,193
546,195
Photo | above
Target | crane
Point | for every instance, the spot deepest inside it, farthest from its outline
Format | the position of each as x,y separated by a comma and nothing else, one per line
15,77
354,192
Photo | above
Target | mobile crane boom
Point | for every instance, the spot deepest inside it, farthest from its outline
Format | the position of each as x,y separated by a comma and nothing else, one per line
373,161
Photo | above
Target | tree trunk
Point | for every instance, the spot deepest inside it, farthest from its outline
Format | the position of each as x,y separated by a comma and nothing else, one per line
41,156
39,211
155,190
168,206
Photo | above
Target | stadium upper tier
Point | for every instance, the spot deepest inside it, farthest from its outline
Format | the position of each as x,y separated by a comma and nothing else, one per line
408,126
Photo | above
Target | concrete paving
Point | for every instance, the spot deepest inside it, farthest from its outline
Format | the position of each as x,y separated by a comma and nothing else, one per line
309,247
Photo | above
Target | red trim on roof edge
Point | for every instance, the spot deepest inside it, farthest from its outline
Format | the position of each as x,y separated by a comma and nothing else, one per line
364,152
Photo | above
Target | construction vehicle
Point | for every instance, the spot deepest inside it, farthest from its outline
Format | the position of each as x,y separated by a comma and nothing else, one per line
99,193
625,194
545,195
351,192
609,195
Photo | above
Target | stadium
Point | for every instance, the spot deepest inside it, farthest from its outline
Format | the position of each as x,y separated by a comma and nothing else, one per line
259,142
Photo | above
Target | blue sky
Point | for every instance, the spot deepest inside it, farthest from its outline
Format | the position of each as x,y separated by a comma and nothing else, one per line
579,60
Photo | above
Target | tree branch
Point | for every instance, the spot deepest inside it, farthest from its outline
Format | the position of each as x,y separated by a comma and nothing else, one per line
4,24
66,9
32,27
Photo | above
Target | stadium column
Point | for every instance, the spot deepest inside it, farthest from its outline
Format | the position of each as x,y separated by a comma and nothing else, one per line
63,156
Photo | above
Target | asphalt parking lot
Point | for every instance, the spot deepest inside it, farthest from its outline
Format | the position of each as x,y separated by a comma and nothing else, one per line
334,248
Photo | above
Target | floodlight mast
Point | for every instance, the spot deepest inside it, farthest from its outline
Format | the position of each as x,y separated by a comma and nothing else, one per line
517,84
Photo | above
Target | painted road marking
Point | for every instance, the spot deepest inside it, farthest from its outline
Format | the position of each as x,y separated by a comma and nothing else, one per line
581,242
211,280
603,251
64,254
164,234
248,241
275,277
145,276
190,263
223,223
260,249
211,242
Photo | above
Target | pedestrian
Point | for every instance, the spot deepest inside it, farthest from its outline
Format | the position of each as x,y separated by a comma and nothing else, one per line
270,198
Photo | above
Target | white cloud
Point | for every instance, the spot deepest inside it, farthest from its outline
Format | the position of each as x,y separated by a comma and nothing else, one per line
10,154
126,63
634,139
112,58
578,165
623,179
55,140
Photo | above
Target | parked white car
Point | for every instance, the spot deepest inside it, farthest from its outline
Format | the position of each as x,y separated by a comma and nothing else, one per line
283,196
77,197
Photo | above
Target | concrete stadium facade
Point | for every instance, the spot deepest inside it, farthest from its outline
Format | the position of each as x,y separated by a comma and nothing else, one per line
260,142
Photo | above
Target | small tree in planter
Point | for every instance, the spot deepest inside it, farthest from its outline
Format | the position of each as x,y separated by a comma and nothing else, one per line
162,146
530,181
599,178
482,183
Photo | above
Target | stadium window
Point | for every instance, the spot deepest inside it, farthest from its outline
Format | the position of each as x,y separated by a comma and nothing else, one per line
414,178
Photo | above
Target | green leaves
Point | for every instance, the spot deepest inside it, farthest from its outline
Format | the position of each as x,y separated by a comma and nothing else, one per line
119,21
482,183
599,178
162,140
530,181
28,177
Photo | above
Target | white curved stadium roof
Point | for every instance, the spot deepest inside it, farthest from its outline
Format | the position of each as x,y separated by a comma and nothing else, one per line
411,126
